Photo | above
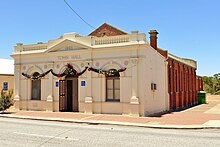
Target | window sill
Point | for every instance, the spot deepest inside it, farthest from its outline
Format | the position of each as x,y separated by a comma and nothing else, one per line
35,99
112,100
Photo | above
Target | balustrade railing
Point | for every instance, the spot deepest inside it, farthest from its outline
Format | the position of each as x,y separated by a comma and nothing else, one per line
111,40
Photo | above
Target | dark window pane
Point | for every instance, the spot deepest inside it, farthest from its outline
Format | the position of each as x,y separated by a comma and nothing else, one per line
116,84
117,94
110,94
109,83
5,86
36,89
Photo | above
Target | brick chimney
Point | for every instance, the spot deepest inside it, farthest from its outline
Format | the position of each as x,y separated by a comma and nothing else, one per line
153,38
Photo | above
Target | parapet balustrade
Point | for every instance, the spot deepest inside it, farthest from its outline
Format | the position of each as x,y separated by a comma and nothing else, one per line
111,40
119,39
24,49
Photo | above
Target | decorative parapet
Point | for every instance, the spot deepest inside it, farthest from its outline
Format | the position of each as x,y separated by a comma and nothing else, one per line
24,48
119,39
34,48
85,40
111,40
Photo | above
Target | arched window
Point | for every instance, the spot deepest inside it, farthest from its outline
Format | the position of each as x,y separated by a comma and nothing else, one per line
36,88
113,88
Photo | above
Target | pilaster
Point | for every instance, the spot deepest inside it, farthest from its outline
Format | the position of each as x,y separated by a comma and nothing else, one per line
50,97
166,85
134,101
89,81
17,85
134,78
88,105
88,98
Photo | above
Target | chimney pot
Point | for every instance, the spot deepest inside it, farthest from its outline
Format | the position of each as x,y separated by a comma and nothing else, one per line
153,38
19,44
135,32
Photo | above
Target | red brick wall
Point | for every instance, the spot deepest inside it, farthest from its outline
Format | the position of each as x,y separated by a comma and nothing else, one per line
106,30
181,85
199,83
162,52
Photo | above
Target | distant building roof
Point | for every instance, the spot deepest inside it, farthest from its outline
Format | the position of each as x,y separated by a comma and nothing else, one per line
6,66
107,30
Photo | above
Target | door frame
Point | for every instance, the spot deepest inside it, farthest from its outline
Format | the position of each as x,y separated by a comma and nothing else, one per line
63,96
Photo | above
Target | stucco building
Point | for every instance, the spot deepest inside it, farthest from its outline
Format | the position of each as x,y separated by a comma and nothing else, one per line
6,74
108,71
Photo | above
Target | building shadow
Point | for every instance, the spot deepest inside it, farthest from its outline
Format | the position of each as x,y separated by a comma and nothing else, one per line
2,113
161,114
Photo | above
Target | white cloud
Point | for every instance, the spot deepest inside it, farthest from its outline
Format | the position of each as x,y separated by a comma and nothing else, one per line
6,66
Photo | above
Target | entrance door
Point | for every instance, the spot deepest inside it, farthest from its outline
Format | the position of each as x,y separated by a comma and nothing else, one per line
62,95
68,95
75,95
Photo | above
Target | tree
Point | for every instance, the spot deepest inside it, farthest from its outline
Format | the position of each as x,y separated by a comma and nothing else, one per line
212,83
217,76
6,100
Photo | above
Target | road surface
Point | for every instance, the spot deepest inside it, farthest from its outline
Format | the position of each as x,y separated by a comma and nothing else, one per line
31,133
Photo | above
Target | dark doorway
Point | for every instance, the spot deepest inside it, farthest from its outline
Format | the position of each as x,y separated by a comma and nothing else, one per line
75,95
68,95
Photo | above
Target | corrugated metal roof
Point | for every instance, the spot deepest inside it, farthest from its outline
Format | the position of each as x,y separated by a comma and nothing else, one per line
6,66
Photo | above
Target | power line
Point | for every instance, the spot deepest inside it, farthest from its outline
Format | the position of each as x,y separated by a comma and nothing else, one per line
78,15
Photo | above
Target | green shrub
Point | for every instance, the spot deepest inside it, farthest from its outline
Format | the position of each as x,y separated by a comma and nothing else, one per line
217,92
6,100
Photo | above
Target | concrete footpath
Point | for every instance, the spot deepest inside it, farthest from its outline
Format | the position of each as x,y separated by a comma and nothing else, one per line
204,116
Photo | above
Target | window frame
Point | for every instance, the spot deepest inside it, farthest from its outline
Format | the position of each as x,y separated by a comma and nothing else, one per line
4,86
114,99
39,90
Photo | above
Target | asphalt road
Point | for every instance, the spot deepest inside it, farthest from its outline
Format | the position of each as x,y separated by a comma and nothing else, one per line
31,133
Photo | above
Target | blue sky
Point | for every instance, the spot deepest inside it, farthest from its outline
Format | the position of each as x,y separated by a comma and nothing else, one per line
187,28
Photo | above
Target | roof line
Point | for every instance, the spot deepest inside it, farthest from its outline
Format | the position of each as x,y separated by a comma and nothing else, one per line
109,25
6,74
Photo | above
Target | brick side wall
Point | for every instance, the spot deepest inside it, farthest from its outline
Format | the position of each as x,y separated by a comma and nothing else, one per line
199,83
162,52
106,30
181,85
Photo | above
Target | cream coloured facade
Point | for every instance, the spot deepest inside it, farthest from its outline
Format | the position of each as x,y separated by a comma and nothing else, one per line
140,90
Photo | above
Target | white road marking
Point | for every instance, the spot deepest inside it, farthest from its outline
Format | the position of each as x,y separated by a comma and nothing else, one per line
46,136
